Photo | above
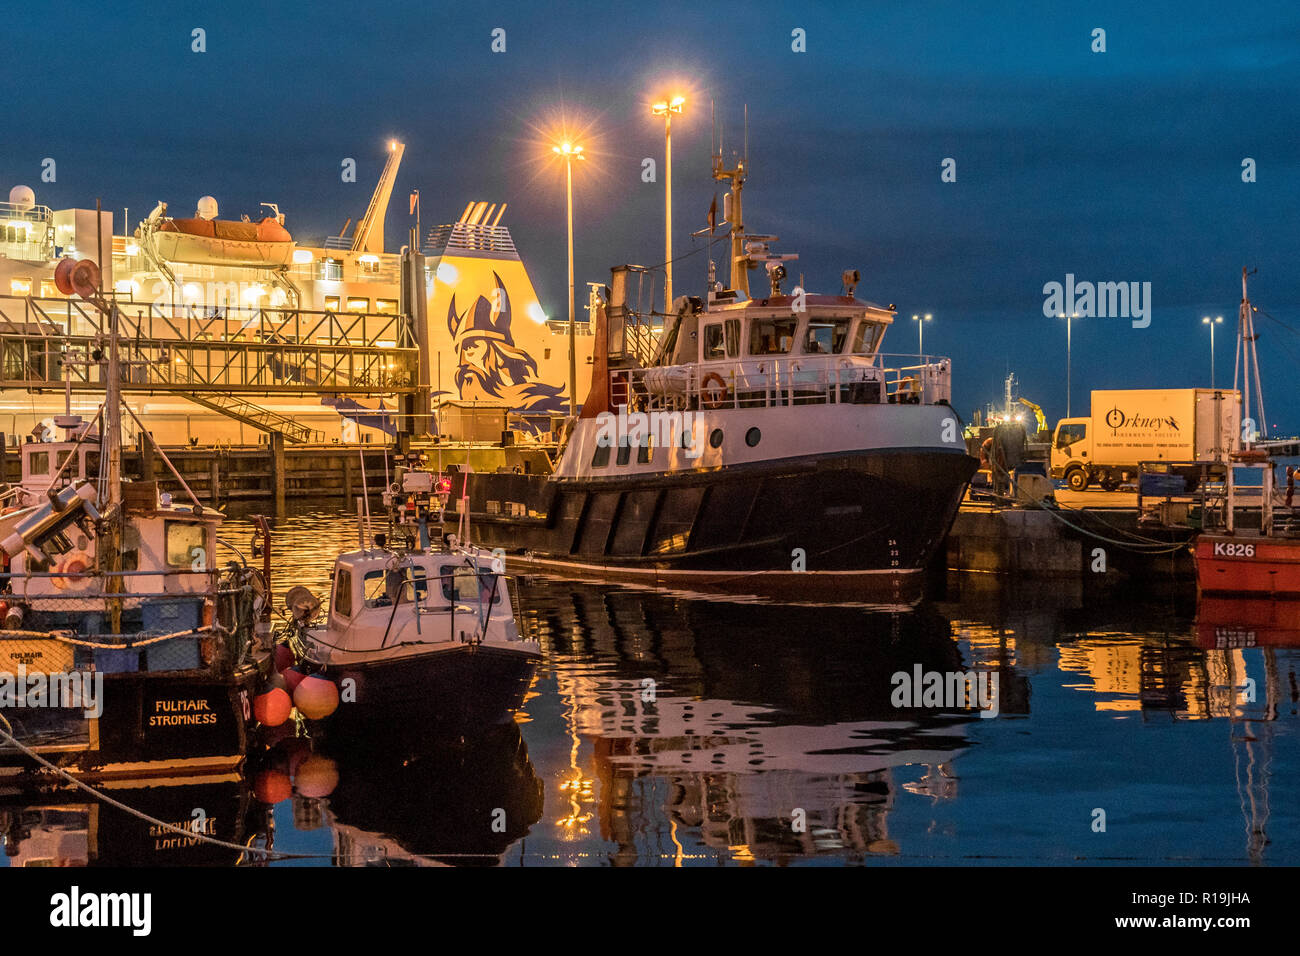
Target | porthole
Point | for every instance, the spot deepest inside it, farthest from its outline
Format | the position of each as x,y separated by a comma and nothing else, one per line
753,437
715,438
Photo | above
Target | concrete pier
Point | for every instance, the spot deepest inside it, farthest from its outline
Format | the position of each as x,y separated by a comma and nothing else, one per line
1098,546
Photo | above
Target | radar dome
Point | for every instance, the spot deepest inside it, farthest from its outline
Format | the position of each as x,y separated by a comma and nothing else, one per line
207,208
22,197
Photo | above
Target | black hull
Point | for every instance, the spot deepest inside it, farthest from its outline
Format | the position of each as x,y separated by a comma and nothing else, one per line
97,834
440,799
854,527
446,694
151,725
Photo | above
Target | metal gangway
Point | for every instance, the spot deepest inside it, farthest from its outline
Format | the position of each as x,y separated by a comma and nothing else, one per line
220,351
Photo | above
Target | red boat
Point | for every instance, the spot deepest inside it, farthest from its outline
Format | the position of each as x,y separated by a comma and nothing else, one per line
1253,551
1225,623
1244,565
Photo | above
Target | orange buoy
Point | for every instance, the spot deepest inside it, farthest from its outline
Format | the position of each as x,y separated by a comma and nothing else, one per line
272,786
273,706
316,698
316,777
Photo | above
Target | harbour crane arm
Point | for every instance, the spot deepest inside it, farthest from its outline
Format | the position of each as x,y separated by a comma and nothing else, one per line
369,236
1038,413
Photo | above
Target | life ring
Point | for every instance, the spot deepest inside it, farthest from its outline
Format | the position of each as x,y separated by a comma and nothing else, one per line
70,568
706,399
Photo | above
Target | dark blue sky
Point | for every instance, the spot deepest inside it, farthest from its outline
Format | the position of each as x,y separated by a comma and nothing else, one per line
1115,166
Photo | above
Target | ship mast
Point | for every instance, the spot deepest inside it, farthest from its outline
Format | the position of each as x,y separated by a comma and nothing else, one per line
732,211
1245,368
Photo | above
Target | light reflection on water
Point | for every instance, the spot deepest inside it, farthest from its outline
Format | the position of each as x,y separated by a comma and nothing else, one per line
666,731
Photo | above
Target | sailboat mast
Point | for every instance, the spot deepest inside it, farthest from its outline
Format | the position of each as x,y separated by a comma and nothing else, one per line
1248,361
1243,329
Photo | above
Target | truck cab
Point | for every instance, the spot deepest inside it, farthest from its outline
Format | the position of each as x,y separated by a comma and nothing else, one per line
1072,452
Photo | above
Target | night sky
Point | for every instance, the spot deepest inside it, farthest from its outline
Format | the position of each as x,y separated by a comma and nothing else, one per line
1117,166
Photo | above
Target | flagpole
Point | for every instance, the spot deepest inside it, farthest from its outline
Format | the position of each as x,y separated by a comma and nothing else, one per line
419,240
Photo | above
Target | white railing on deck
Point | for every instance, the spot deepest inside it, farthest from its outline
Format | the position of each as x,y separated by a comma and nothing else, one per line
767,381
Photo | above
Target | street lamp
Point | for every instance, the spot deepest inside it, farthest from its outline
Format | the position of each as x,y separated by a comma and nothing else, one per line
1217,320
920,321
666,110
1068,319
568,152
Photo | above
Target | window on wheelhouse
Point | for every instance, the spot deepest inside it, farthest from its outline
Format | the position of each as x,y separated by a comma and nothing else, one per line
721,340
342,605
826,336
771,336
185,543
866,338
463,584
381,586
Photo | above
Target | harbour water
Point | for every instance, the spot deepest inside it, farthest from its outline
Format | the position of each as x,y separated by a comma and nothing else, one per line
664,730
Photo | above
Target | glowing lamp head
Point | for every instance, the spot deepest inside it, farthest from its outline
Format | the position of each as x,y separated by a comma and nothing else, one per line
569,151
668,106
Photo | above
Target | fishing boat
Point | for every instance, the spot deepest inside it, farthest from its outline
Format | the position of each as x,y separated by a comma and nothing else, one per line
126,652
749,444
1251,543
413,635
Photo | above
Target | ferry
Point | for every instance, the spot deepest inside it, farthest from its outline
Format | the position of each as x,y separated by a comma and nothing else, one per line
238,328
758,445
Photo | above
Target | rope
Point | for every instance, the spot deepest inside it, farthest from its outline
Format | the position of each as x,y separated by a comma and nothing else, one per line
267,854
138,814
117,645
1126,545
63,638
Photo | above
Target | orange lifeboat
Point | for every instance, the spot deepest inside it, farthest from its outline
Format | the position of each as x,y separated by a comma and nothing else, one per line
223,242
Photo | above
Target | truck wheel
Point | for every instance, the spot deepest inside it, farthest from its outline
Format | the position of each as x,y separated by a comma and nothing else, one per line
1077,479
1109,484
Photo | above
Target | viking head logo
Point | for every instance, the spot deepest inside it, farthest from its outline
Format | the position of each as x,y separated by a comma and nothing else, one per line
489,364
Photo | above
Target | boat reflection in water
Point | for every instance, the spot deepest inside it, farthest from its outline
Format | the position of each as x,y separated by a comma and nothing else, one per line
659,686
69,828
462,805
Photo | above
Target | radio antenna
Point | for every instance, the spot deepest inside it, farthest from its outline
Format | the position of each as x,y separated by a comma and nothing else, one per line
746,153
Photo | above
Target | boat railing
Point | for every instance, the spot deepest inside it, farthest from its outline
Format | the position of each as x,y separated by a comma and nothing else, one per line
109,617
770,381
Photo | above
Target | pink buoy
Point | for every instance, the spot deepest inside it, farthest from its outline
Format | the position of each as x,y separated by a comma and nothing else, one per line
316,698
316,777
292,678
283,657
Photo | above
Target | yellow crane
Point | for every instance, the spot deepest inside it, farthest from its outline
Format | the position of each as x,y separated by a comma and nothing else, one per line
1038,414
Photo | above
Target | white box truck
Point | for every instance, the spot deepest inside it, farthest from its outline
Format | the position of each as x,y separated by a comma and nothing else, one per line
1183,425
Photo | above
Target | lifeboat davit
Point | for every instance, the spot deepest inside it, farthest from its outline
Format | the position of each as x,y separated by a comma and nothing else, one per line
222,242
